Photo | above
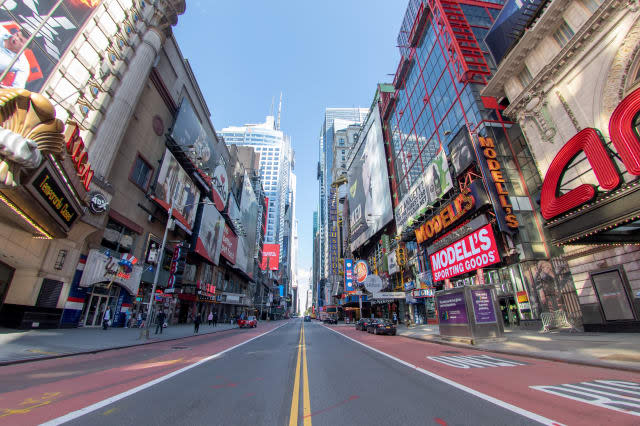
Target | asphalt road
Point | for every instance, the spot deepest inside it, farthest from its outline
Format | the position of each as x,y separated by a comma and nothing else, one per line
347,384
299,373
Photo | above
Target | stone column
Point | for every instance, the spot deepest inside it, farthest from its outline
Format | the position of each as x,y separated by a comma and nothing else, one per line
104,147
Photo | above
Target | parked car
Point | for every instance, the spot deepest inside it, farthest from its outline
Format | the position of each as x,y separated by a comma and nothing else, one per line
382,326
362,324
249,322
307,318
330,320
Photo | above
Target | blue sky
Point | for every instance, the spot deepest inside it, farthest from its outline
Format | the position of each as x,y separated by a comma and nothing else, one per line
326,53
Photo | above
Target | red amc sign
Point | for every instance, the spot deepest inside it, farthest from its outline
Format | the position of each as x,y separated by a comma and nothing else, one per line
476,250
624,138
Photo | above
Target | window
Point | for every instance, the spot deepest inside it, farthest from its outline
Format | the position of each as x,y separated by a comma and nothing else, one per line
141,173
563,34
118,238
592,5
525,77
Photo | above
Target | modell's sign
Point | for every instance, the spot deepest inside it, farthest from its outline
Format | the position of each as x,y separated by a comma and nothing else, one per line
476,250
590,142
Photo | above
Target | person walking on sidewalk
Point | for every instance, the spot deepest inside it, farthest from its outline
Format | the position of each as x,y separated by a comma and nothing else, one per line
210,319
106,318
160,321
196,323
215,319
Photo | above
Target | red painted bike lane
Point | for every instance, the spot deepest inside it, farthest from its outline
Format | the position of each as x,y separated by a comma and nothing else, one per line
53,388
566,393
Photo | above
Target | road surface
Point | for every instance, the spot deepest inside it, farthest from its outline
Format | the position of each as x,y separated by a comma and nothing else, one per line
295,373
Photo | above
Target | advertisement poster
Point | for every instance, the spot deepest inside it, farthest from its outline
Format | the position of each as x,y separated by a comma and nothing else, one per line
434,183
211,230
523,301
476,250
270,253
348,276
461,151
249,220
173,180
483,306
229,245
333,231
361,270
368,185
452,309
393,262
20,19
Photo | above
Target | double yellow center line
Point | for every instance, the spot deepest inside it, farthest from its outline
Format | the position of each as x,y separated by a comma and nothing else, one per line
306,408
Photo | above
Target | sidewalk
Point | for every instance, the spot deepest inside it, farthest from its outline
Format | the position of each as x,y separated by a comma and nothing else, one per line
612,350
21,345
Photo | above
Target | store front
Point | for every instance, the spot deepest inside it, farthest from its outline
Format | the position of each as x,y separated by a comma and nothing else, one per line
112,283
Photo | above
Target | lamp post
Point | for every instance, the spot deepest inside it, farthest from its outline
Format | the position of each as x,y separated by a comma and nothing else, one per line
161,255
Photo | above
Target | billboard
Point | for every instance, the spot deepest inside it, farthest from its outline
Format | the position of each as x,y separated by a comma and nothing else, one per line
173,180
475,251
249,218
20,19
333,231
348,276
434,183
229,245
199,143
210,234
368,191
461,151
272,253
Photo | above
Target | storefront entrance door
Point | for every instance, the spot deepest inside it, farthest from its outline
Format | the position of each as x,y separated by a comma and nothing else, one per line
6,275
95,311
509,311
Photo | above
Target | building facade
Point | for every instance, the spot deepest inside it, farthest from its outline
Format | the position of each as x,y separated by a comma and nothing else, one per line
568,74
276,166
129,154
100,53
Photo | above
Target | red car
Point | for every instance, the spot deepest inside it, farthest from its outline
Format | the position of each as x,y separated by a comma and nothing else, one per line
251,322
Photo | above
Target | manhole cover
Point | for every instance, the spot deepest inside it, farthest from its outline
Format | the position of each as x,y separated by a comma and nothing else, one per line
451,352
179,347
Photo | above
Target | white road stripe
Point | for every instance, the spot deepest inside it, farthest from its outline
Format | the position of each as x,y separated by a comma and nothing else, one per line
86,410
498,402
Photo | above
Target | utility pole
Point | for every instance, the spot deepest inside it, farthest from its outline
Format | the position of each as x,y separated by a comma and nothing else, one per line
158,266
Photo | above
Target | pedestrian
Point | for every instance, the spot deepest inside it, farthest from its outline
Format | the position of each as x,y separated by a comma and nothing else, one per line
160,321
196,323
215,319
210,318
106,318
395,318
139,319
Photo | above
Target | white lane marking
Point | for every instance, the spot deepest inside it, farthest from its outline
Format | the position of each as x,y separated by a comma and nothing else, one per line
498,402
474,361
611,394
86,410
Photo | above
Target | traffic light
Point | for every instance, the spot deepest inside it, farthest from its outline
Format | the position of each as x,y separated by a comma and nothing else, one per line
401,256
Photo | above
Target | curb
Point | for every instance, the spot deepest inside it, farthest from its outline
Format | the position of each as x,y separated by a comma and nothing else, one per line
599,364
113,348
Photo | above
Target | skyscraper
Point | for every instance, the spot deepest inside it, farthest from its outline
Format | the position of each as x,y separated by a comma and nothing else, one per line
334,119
275,152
